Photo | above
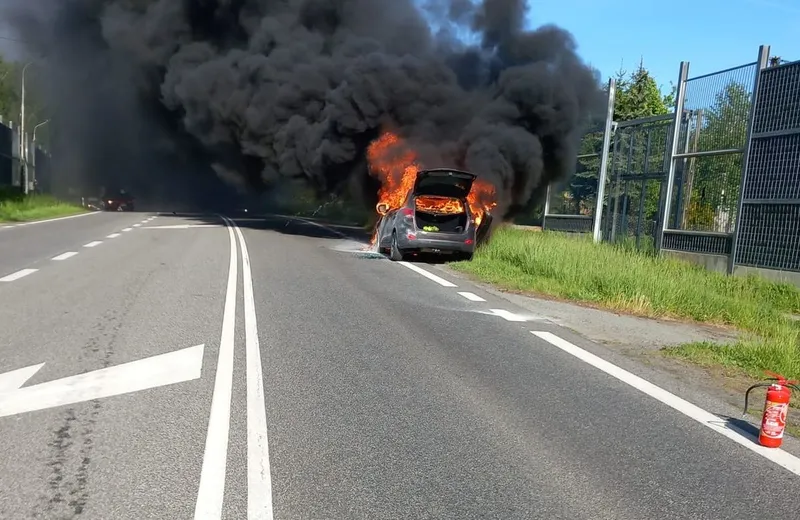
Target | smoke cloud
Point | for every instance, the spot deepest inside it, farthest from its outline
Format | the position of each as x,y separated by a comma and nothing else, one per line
159,93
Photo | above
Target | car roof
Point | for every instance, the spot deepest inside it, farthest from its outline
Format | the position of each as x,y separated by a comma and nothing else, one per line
454,170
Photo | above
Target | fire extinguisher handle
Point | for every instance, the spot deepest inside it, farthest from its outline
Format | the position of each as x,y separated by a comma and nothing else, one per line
747,395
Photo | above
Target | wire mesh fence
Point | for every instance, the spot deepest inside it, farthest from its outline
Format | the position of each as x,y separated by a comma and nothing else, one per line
571,203
708,169
636,175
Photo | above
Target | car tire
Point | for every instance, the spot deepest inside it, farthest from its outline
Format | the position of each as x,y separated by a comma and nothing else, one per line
395,253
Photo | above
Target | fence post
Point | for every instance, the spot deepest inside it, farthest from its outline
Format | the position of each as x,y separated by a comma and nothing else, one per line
601,178
683,75
546,207
761,64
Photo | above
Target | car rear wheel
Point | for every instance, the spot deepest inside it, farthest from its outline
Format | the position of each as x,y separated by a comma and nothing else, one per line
395,253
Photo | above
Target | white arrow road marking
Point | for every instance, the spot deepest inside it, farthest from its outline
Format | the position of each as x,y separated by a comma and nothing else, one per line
16,378
165,369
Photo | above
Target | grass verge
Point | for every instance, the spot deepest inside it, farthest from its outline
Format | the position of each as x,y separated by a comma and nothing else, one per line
35,207
573,267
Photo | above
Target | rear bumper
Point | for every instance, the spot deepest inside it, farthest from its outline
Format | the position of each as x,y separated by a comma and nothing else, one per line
436,245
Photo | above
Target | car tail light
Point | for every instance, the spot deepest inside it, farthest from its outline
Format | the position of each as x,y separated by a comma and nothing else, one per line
468,241
411,236
407,212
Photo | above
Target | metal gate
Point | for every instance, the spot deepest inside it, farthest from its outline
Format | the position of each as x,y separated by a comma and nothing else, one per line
637,173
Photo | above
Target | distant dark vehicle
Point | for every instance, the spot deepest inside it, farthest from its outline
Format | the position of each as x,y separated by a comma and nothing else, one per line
435,218
120,201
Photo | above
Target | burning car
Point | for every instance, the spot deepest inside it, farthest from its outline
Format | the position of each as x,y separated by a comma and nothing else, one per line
436,217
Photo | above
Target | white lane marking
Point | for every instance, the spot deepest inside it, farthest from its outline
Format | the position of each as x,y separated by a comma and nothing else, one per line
430,276
472,297
51,220
127,229
215,456
64,256
93,244
184,226
507,315
259,480
16,378
161,370
137,225
113,235
19,274
776,455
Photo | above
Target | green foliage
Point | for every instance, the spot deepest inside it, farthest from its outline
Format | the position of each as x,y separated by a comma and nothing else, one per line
638,96
11,99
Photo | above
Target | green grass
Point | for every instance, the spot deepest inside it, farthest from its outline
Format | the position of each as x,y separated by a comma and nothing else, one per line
573,267
35,207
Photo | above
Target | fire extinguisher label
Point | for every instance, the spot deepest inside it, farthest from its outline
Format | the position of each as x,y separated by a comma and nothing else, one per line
774,419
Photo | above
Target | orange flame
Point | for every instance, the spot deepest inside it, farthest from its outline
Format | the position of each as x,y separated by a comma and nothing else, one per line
396,166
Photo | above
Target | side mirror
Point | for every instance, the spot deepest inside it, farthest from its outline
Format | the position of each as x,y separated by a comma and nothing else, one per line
382,208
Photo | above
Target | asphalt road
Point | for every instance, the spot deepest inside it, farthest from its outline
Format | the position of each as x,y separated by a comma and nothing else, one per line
318,382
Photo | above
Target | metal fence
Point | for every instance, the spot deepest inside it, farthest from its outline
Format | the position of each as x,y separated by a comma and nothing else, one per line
38,162
571,205
719,176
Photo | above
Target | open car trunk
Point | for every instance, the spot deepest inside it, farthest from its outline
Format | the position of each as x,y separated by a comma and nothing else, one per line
440,214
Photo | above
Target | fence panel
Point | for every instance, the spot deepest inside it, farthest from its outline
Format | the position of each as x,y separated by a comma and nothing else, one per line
638,168
708,163
769,234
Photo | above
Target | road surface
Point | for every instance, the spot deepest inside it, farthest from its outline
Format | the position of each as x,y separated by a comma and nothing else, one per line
266,369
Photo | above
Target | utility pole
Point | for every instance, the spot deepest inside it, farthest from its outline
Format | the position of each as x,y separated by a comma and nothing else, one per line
23,149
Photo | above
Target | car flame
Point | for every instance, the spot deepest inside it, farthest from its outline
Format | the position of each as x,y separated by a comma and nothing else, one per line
396,165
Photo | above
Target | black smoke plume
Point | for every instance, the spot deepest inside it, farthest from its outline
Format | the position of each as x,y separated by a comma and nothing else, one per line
157,93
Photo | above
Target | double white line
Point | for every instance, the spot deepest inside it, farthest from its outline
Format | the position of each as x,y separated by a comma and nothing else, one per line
212,477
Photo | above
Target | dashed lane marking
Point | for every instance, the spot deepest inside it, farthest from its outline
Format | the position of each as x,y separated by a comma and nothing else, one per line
430,276
472,297
93,244
64,256
113,235
19,274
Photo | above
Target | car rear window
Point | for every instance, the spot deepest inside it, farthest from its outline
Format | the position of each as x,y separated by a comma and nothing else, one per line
438,205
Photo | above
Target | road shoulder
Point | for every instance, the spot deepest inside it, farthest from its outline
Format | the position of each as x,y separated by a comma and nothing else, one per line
638,343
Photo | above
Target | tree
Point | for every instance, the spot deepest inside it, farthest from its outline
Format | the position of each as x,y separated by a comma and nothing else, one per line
637,96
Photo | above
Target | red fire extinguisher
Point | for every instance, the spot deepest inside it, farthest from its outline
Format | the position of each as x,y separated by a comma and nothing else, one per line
776,407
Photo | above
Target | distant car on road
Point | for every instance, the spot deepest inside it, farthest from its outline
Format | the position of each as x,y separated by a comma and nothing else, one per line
120,201
435,218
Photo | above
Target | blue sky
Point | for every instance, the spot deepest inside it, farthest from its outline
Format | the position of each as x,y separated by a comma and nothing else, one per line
710,34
